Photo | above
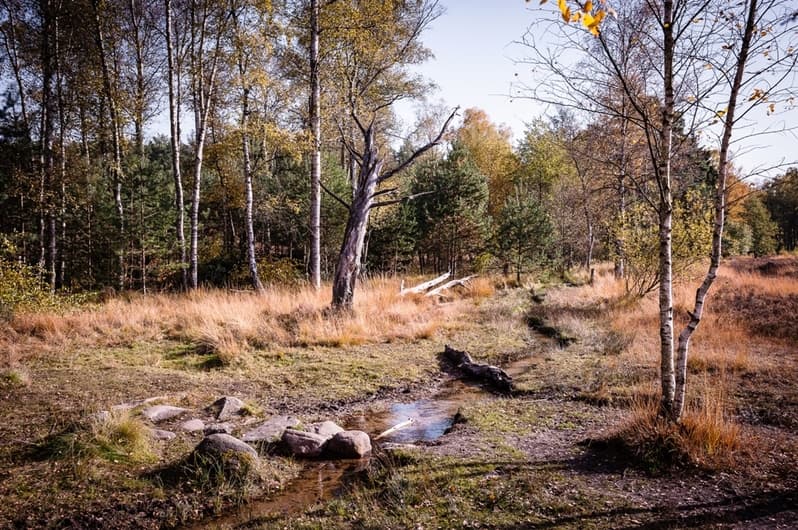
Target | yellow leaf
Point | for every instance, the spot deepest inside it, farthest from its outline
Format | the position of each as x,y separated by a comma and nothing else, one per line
565,10
720,113
588,6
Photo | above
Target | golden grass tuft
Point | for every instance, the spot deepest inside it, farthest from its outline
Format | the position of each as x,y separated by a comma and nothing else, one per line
706,436
119,436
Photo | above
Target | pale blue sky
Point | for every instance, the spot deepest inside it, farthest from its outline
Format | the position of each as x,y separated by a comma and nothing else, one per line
473,67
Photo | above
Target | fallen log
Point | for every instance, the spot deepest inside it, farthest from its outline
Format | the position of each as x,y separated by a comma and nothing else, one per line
492,375
448,285
420,288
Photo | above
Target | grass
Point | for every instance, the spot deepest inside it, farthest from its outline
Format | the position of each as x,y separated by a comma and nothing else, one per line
230,324
515,462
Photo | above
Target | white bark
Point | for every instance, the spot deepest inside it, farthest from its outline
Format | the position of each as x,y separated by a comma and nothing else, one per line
422,287
720,209
174,129
315,160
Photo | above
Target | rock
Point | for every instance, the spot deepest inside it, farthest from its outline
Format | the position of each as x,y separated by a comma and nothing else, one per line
160,413
224,446
304,444
218,428
271,431
328,429
159,434
139,402
227,407
349,444
193,425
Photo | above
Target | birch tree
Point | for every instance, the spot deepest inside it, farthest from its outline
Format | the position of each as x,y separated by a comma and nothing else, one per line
703,56
207,22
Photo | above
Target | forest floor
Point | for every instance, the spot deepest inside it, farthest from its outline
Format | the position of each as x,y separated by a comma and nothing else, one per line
551,455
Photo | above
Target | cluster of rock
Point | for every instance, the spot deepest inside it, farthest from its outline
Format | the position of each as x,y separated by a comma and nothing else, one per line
283,434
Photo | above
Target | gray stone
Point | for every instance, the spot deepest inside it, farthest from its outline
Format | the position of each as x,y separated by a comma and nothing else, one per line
227,407
349,444
160,413
271,431
159,434
194,425
218,428
139,402
328,429
304,444
224,446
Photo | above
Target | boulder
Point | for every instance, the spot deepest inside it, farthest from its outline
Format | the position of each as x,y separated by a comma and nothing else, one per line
227,407
303,444
349,444
194,425
218,428
160,413
328,429
271,431
159,434
225,447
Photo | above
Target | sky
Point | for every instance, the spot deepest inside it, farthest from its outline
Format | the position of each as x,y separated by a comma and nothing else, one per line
475,44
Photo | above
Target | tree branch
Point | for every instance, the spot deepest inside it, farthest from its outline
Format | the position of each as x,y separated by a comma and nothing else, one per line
412,158
402,199
335,196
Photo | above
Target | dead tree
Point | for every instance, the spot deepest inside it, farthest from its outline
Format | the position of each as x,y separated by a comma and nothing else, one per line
366,197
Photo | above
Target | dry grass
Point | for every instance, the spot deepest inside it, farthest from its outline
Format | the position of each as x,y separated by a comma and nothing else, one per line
229,324
706,437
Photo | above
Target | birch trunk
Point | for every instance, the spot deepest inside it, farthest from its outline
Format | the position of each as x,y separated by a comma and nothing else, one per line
174,136
251,258
315,161
667,374
202,87
720,209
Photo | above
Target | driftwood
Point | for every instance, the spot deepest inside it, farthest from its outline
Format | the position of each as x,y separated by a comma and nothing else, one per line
420,288
399,426
448,285
492,375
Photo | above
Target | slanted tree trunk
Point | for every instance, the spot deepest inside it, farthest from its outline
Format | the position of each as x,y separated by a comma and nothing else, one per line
364,194
348,268
315,159
720,209
173,73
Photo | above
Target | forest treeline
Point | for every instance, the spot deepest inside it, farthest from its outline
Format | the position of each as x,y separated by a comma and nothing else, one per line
163,144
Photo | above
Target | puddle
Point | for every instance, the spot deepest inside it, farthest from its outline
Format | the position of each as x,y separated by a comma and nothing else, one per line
322,481
317,482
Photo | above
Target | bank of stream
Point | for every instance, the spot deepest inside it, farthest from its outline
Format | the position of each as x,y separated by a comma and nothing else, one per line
322,480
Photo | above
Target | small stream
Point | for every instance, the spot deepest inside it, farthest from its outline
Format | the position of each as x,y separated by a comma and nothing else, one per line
321,481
